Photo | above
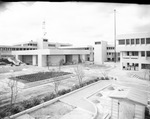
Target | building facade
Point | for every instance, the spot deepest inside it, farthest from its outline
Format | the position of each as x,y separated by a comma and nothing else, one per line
44,53
104,52
134,51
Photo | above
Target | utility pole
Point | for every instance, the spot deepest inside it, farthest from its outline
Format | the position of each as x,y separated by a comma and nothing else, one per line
115,35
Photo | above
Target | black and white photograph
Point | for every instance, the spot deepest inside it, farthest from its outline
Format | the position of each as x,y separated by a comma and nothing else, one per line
74,60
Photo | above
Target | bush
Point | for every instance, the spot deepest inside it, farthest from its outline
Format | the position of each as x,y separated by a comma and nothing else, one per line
37,101
17,108
75,87
106,78
27,104
64,91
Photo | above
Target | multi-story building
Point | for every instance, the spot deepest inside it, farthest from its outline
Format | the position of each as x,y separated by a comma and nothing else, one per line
134,51
104,52
43,53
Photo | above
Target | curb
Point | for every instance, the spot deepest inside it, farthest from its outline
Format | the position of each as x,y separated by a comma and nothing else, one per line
49,102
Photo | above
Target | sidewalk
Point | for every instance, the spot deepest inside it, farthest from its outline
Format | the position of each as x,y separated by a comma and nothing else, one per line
77,99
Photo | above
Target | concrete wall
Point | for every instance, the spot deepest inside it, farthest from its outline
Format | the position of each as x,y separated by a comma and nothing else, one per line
100,52
54,59
75,58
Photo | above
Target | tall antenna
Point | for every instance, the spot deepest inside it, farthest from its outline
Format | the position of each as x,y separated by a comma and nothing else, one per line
115,35
44,28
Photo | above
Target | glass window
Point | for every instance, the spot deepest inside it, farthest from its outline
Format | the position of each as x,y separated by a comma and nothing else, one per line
127,41
127,53
148,53
142,53
142,40
134,53
137,41
132,41
147,40
145,66
121,42
97,43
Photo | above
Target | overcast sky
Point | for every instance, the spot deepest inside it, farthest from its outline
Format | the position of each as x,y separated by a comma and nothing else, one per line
78,23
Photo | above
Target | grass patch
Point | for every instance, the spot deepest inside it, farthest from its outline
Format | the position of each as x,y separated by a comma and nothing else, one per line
40,76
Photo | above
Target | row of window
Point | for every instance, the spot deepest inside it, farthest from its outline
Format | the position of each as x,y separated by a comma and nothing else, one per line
110,48
112,53
14,49
134,41
136,53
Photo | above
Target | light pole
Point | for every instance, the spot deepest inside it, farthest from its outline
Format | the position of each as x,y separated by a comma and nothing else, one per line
114,35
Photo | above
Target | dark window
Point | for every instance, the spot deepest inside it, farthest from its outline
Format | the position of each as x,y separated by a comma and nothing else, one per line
51,45
145,66
127,53
142,40
147,40
45,40
121,42
142,53
148,53
127,41
134,53
97,43
137,41
132,41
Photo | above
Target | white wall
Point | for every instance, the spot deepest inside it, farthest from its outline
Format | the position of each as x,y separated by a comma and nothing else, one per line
100,52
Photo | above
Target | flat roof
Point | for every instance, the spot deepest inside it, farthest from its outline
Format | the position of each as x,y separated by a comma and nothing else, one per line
131,94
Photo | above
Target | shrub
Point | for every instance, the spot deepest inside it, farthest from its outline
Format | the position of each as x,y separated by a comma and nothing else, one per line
102,78
75,87
17,108
27,104
106,78
37,101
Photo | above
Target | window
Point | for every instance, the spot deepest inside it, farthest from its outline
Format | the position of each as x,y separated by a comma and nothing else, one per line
51,45
142,40
145,66
132,41
142,53
97,43
45,40
148,53
127,53
147,40
121,42
127,41
134,53
137,41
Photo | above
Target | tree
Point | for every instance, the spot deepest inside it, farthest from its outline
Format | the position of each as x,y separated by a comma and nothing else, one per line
79,73
61,62
12,86
56,83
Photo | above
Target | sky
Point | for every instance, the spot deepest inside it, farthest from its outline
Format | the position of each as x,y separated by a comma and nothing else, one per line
78,23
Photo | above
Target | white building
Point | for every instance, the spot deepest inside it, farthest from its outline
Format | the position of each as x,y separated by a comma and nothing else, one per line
104,52
44,53
134,51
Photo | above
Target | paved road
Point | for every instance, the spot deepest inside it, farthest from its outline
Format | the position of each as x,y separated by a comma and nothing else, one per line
77,99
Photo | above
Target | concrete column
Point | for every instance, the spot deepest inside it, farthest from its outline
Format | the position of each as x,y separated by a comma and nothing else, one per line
33,59
121,63
39,60
17,57
139,67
